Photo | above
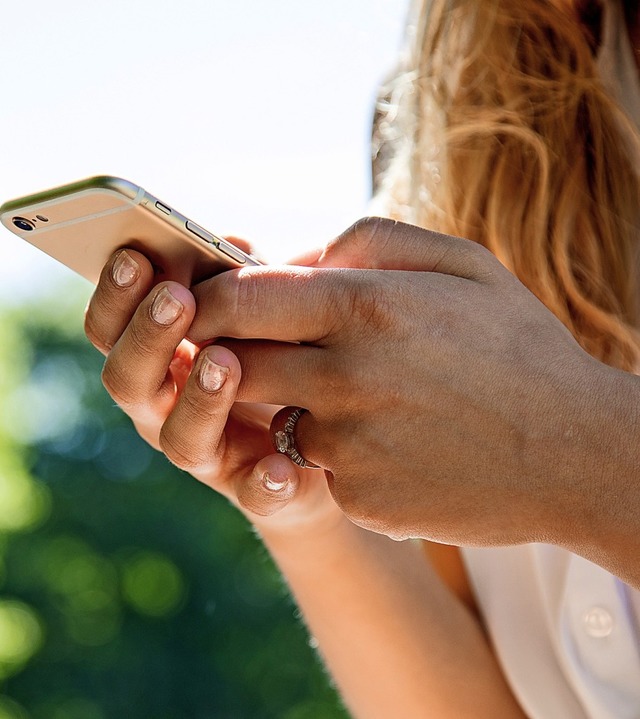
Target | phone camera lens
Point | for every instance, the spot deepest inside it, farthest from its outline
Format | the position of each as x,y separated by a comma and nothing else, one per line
24,225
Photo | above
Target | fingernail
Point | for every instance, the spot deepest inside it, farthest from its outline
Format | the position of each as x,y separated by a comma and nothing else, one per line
212,375
166,308
274,485
125,270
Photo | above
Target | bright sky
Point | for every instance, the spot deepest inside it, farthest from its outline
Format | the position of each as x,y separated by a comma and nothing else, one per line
250,117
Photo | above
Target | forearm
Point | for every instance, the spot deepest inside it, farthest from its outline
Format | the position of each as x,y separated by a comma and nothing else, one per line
600,500
396,641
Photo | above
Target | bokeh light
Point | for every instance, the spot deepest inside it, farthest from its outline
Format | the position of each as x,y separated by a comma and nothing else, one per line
129,588
23,502
21,636
10,709
84,586
76,708
152,584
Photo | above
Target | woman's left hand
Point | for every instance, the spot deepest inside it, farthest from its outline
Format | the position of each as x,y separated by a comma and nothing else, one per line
418,382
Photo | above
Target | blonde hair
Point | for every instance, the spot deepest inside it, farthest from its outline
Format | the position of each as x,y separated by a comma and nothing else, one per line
503,133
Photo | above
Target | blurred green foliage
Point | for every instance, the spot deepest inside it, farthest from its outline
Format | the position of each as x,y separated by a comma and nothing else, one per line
127,589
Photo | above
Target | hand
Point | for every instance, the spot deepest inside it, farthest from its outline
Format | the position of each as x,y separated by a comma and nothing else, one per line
436,392
181,400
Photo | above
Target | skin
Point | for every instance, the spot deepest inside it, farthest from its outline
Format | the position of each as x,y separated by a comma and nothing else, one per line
386,604
445,403
460,395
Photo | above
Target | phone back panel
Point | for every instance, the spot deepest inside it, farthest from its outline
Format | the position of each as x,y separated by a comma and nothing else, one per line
81,226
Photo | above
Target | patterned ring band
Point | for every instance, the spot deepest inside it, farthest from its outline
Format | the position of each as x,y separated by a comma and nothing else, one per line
285,441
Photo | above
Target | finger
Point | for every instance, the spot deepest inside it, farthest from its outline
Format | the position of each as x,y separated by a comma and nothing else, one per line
289,304
137,370
299,304
309,258
124,282
246,247
241,243
269,487
379,243
276,373
182,363
306,437
192,437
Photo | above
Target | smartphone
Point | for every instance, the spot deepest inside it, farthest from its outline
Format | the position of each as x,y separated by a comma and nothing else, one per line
82,224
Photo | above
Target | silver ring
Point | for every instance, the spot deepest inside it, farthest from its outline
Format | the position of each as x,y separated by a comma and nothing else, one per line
285,441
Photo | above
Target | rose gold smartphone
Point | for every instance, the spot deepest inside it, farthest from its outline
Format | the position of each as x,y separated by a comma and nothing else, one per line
82,224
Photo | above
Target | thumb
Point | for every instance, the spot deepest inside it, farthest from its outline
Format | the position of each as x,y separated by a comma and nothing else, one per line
383,244
272,484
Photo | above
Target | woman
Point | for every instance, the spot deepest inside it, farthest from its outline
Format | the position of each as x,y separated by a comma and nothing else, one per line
558,120
502,131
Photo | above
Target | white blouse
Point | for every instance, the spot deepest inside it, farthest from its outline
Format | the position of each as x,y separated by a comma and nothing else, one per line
564,631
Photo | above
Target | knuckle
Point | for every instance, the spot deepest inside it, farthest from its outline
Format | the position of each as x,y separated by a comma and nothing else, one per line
181,452
370,302
191,438
94,335
471,259
246,294
359,241
142,341
117,389
370,232
220,301
120,386
199,410
362,304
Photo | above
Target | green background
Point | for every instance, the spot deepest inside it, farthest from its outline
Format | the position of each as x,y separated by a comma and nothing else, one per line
127,589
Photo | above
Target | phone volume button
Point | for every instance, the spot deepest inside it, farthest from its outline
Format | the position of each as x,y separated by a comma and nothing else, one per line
232,252
201,233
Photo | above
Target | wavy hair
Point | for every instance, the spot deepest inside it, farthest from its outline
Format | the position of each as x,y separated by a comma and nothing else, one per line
503,132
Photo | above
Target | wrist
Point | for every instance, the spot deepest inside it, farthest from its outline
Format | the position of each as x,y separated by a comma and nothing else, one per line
599,481
299,536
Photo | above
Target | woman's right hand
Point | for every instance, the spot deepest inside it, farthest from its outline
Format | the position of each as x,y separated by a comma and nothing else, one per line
181,400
